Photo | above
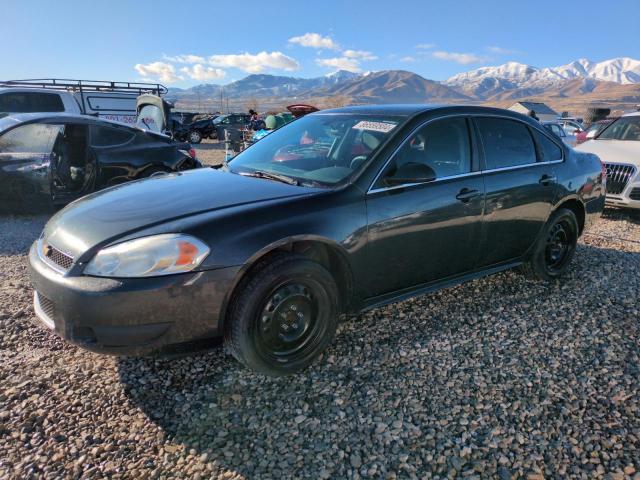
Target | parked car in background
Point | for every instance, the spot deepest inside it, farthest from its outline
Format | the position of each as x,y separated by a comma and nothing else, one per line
618,145
592,130
195,129
339,211
557,129
231,121
105,99
50,159
571,127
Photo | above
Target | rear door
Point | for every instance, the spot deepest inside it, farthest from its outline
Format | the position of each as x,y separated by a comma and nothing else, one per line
521,185
423,231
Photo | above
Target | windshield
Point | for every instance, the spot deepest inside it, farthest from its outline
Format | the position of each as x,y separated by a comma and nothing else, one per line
321,148
219,119
625,128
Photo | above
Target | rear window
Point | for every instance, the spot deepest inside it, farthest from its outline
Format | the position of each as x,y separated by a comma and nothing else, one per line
30,102
549,150
507,143
109,136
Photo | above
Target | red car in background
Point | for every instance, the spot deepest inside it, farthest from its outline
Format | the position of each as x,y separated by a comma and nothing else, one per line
593,130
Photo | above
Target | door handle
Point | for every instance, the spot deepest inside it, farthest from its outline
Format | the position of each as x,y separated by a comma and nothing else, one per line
467,194
547,179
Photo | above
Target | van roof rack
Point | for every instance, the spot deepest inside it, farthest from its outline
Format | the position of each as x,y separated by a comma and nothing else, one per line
87,85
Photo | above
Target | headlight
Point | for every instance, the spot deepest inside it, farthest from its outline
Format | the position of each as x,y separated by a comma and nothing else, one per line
149,257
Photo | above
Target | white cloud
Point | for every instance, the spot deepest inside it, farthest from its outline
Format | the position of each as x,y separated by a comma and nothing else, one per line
161,71
408,59
425,46
359,55
500,50
184,58
202,73
255,63
340,63
315,40
461,58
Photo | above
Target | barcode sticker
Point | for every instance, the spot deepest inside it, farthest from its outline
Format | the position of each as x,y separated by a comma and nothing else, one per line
374,126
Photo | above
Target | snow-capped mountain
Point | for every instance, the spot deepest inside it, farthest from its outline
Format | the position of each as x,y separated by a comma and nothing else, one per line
488,81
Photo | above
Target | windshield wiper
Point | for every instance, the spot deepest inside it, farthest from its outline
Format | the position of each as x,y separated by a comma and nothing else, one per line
271,176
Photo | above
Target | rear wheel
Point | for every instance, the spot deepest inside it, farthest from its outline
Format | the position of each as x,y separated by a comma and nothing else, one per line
284,316
195,136
554,250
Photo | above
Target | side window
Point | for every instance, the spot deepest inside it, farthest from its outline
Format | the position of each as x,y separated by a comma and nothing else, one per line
226,120
439,149
109,136
37,138
548,149
29,102
507,143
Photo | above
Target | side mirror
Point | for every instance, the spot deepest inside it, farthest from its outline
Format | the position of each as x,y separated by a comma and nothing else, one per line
411,173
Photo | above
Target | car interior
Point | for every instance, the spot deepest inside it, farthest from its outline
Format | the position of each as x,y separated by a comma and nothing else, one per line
441,149
71,160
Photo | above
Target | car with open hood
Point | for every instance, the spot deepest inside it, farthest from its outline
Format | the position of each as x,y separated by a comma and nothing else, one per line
51,159
339,211
618,146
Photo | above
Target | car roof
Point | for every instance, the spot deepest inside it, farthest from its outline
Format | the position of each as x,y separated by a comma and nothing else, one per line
410,110
32,89
15,118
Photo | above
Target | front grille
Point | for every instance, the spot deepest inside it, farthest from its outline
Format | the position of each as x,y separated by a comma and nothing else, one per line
61,259
635,194
47,306
617,177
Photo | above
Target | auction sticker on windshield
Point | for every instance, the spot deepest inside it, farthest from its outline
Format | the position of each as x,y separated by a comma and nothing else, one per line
383,127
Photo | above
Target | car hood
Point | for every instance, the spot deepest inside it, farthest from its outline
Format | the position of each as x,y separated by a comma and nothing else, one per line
613,151
104,217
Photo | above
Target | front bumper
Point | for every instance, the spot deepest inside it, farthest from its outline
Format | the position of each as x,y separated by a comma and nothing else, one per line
135,316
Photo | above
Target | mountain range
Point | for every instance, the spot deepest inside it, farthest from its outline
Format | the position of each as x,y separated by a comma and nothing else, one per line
615,81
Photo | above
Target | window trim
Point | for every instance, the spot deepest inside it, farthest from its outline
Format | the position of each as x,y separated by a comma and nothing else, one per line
476,140
472,150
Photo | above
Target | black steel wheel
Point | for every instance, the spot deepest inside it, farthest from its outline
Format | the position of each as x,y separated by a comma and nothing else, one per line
284,315
554,249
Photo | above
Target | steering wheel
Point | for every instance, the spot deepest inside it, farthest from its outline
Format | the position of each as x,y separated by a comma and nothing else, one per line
357,162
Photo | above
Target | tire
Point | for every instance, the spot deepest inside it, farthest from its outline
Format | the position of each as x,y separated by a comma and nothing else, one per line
555,247
284,316
194,136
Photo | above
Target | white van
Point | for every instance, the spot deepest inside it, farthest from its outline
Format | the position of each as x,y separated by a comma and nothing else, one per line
108,100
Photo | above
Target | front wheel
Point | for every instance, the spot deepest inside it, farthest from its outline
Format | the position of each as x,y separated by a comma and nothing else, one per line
554,249
284,316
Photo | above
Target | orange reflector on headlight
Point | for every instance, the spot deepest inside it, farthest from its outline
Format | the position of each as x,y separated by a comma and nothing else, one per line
188,253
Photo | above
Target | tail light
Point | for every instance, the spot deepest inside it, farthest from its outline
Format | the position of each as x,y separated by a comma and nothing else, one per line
192,153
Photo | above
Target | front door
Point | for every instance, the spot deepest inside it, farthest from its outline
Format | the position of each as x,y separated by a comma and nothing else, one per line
521,185
26,158
425,209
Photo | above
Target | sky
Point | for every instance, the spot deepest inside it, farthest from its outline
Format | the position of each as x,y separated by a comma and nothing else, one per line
186,42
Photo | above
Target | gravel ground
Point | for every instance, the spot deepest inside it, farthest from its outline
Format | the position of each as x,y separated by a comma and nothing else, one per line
210,152
498,378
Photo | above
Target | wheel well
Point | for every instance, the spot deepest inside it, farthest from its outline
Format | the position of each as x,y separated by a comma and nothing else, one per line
578,210
326,255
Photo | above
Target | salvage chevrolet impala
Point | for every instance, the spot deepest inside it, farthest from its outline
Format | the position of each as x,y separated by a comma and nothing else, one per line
337,212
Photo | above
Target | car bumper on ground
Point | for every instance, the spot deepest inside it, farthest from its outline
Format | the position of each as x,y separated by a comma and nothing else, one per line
136,316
